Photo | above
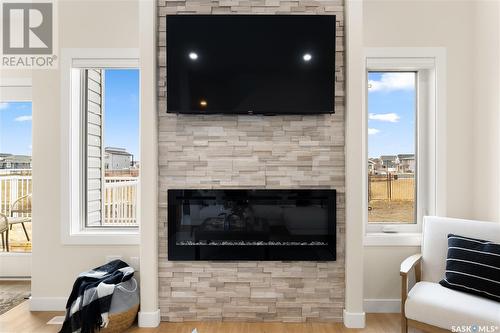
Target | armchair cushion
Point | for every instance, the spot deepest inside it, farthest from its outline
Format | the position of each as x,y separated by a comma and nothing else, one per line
435,245
435,305
473,266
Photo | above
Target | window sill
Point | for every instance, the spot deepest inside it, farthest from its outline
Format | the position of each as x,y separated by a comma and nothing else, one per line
102,237
392,239
15,254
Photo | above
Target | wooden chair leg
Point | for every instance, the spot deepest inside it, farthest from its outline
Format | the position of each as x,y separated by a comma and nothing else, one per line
3,241
7,240
25,232
404,325
404,292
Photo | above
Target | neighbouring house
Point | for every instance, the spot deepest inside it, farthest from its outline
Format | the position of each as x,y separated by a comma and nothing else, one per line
117,158
3,156
371,166
9,161
389,163
406,163
375,166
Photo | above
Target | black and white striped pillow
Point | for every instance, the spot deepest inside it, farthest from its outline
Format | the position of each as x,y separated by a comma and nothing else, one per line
473,266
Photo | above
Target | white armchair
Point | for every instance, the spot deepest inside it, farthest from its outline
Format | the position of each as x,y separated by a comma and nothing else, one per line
430,307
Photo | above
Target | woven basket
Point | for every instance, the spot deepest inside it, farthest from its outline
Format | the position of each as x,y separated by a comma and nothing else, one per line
121,321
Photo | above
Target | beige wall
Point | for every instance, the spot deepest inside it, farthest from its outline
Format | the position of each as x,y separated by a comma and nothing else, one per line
445,24
149,316
381,268
85,24
354,316
469,32
486,111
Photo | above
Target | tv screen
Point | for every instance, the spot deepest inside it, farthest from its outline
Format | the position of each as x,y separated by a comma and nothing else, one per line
250,64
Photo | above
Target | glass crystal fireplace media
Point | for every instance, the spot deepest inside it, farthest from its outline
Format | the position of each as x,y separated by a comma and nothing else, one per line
251,224
243,243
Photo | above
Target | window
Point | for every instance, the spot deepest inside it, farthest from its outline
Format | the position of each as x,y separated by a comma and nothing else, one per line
111,144
16,184
392,119
405,139
100,138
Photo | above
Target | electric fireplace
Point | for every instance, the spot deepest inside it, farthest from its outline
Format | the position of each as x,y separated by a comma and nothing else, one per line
252,225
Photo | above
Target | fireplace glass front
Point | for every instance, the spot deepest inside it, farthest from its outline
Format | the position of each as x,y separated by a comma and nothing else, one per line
251,224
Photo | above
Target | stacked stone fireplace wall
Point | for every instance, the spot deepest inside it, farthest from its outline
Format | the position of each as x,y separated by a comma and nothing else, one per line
229,151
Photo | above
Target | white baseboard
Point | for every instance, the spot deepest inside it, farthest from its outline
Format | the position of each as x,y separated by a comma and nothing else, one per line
354,319
382,305
149,319
48,303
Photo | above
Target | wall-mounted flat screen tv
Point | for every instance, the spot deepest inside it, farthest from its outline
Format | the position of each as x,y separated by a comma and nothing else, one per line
250,64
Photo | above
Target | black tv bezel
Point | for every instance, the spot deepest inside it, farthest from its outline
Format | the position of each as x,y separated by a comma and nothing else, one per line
253,112
254,252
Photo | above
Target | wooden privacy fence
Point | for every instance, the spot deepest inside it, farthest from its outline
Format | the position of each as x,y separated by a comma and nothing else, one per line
391,187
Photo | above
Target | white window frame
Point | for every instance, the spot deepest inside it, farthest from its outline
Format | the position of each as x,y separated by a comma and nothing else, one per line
430,65
16,89
73,229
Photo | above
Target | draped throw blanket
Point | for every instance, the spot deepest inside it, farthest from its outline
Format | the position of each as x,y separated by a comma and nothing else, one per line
88,305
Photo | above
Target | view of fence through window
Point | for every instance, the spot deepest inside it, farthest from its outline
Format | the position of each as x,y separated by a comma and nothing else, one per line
15,176
112,147
391,147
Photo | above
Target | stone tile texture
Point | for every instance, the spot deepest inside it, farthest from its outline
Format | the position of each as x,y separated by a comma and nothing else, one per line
227,151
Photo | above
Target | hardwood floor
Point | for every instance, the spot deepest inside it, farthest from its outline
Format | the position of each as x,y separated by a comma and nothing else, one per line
376,323
21,320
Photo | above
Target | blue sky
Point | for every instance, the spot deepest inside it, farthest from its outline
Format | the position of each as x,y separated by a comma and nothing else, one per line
391,113
121,125
15,128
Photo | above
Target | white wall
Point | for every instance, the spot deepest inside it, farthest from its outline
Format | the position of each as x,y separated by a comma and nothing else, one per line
82,24
469,32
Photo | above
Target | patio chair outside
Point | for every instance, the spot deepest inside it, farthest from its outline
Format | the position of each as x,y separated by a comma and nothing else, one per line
4,230
20,213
